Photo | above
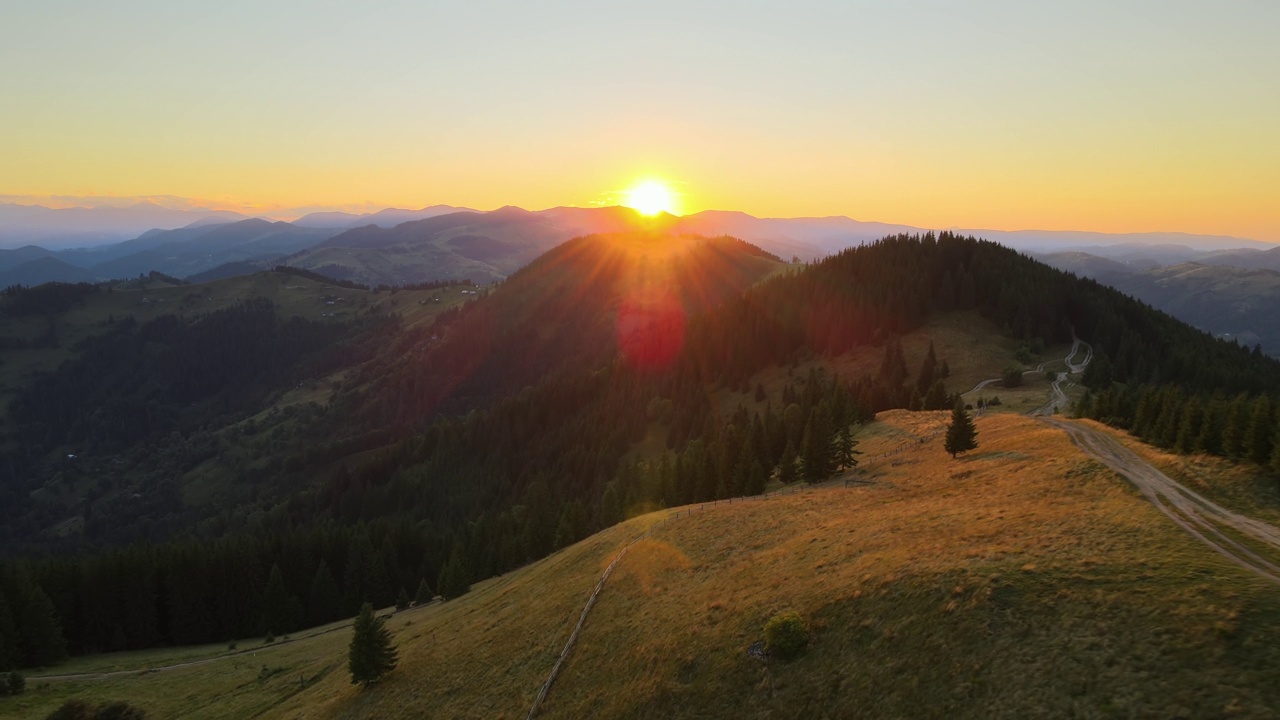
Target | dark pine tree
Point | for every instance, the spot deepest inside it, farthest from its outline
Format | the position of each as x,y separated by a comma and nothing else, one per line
371,655
39,632
325,603
277,605
424,595
1257,441
10,655
455,577
961,433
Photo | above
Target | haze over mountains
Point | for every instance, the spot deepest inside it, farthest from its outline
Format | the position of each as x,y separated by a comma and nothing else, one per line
438,242
197,466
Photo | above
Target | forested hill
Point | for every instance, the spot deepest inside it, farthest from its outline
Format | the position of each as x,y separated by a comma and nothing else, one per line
461,448
574,309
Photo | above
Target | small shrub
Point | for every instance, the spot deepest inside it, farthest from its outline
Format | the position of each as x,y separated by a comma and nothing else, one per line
71,710
271,637
16,683
1011,377
80,710
785,635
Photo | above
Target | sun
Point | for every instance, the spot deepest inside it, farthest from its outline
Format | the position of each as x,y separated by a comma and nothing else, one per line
650,197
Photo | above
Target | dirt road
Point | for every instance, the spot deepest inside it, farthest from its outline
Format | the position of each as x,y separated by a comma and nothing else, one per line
1201,517
1058,398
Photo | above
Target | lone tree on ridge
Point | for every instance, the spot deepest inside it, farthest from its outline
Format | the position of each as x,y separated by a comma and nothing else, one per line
961,434
371,655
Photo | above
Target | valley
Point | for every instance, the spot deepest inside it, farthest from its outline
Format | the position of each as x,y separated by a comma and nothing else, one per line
695,402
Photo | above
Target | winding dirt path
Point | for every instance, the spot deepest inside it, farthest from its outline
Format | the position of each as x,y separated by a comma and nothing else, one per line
1199,516
1202,518
1058,397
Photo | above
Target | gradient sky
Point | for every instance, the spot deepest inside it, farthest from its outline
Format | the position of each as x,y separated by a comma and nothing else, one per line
1114,116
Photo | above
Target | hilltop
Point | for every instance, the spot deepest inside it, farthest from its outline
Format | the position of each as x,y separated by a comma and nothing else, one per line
332,460
1024,580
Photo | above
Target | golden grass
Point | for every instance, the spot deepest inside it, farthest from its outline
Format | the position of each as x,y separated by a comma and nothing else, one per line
1022,580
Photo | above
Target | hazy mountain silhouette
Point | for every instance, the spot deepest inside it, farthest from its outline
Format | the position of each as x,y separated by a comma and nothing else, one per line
17,256
189,250
81,226
43,270
387,218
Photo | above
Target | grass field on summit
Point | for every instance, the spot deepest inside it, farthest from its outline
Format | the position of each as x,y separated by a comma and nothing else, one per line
1022,580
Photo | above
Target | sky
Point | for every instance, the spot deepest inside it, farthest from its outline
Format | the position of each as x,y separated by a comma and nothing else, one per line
1115,116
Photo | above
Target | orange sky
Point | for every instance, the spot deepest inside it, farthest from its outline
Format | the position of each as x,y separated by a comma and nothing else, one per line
993,115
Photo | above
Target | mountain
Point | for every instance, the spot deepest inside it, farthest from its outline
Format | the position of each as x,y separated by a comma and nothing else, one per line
488,246
1056,240
43,270
194,249
1086,264
387,218
17,256
480,246
1224,300
85,226
1248,258
264,453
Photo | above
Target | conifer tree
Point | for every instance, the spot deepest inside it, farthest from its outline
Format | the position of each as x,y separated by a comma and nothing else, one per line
845,448
455,578
10,655
1233,433
402,600
1257,445
362,574
937,397
756,480
423,596
787,466
961,433
325,603
928,368
1190,427
815,448
371,655
276,604
39,632
1210,438
16,682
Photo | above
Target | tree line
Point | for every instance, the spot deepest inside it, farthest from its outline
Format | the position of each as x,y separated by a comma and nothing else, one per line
505,429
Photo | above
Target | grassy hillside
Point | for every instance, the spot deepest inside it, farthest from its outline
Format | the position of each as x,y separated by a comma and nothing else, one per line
1021,581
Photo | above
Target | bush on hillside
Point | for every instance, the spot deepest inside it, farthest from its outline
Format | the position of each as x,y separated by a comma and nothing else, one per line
1011,377
785,635
15,683
80,710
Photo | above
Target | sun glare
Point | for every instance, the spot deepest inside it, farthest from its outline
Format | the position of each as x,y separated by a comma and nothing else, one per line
651,197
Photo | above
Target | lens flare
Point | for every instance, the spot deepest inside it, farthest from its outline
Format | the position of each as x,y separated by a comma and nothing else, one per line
650,328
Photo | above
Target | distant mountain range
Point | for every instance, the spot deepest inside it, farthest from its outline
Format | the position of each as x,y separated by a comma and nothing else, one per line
1231,293
1228,286
22,225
